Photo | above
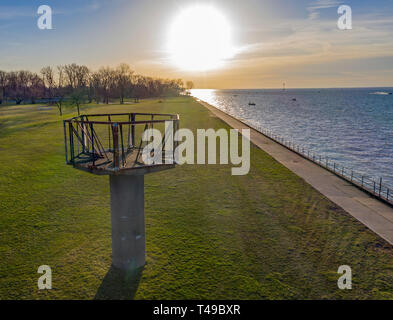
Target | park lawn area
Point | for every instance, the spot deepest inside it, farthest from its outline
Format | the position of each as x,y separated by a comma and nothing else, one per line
210,235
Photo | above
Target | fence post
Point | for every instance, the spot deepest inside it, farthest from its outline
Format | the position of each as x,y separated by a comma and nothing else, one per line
65,141
115,134
362,180
109,133
92,144
387,194
380,186
71,133
351,175
122,146
83,133
133,130
374,186
175,143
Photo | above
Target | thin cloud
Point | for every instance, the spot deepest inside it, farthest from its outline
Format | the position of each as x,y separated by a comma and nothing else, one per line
315,7
14,12
322,42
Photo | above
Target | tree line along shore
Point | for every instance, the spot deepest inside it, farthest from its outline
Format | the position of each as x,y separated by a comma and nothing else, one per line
74,84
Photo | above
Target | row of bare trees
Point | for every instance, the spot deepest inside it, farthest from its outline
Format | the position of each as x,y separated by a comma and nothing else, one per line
20,86
77,84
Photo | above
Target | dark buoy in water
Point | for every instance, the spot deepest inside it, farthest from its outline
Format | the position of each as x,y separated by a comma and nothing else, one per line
294,99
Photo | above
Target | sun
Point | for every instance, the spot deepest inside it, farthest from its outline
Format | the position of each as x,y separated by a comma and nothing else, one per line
200,39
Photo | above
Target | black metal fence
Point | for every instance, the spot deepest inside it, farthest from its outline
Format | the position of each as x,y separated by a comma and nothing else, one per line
374,187
114,141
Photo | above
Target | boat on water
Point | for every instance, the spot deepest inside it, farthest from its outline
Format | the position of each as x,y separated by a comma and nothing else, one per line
251,104
383,93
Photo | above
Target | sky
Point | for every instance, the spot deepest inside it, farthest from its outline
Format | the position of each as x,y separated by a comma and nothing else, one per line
292,41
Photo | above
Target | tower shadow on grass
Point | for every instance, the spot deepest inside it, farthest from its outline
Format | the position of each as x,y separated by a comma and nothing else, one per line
119,284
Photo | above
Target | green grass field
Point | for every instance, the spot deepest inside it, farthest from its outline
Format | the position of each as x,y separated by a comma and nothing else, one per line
210,235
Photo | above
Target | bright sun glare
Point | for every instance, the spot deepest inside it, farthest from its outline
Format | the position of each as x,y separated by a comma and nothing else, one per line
200,39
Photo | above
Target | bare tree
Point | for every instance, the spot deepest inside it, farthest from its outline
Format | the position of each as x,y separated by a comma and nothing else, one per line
82,75
95,86
78,80
189,86
36,87
78,96
77,76
18,85
3,86
123,79
70,74
140,89
80,85
59,89
107,78
48,77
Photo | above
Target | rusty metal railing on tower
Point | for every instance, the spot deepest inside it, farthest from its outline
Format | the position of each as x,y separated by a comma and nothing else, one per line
113,142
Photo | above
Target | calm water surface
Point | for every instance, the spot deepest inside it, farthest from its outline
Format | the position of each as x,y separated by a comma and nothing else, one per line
353,127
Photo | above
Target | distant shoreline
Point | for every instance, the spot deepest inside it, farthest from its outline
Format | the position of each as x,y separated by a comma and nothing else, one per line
295,88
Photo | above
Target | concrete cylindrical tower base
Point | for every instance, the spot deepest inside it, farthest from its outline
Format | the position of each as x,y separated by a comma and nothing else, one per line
128,221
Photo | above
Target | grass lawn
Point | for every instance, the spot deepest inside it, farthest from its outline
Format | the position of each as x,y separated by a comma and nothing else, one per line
210,235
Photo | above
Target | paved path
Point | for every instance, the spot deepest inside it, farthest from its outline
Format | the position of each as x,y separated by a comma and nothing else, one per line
376,215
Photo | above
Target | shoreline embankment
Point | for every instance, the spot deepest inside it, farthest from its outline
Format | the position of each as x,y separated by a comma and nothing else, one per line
373,213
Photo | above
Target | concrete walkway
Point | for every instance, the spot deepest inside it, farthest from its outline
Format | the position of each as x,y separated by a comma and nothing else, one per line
374,214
